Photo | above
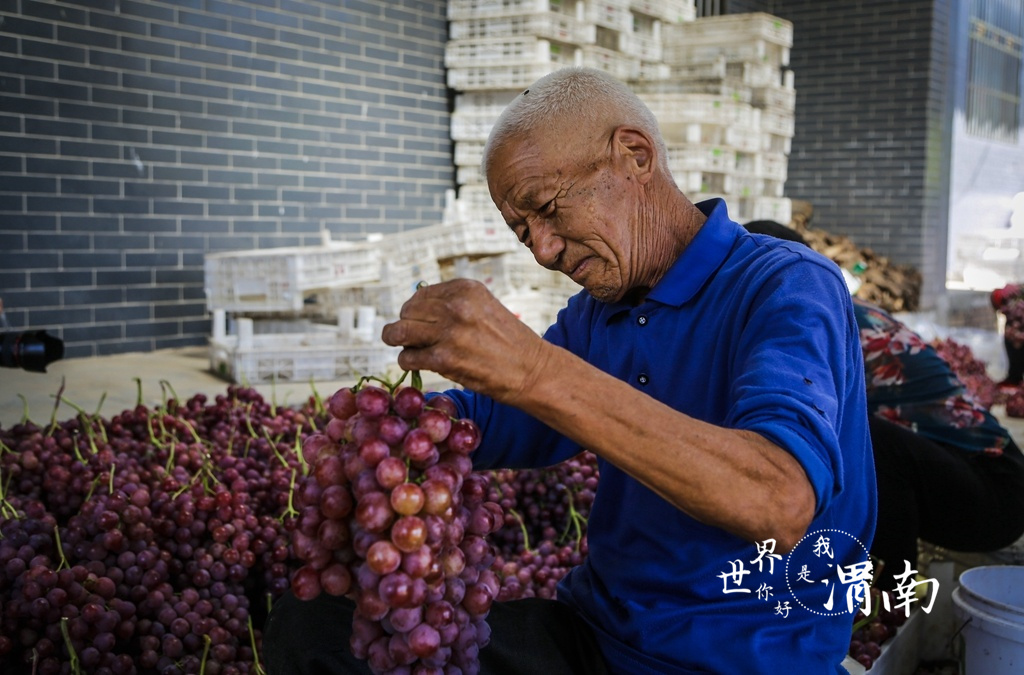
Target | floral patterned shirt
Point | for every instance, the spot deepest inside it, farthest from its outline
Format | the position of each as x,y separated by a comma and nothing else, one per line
910,384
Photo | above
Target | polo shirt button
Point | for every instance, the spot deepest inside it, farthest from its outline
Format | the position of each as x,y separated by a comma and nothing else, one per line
642,378
642,320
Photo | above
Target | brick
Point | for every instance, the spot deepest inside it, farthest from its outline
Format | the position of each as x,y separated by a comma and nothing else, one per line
178,208
88,112
175,69
253,30
228,42
148,83
147,10
122,206
55,90
119,133
177,103
176,34
120,97
52,127
43,50
20,26
203,55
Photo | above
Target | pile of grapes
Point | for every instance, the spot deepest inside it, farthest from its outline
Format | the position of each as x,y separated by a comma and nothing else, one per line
971,371
872,631
155,540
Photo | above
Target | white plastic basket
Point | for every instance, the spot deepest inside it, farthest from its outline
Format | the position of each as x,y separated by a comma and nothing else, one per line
670,11
472,9
778,122
619,65
549,25
687,157
612,14
676,110
318,353
681,50
277,279
500,77
772,166
728,28
507,51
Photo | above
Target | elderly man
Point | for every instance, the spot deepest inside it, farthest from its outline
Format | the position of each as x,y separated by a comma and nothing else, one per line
716,374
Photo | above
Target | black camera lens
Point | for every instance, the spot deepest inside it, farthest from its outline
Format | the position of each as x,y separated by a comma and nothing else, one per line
30,350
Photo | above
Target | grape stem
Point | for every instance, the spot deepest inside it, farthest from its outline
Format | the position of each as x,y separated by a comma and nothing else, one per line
255,651
56,406
290,509
60,550
24,409
298,453
206,654
75,669
138,391
318,401
7,510
522,526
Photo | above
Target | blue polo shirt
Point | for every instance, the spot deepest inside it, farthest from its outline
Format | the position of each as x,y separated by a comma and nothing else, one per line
748,332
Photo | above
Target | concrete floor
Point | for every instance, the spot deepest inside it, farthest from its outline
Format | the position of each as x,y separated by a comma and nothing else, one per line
108,384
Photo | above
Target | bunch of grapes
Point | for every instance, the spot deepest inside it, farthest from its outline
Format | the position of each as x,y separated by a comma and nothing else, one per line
971,371
393,515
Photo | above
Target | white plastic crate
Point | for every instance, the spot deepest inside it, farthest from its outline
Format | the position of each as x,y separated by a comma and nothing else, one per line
500,77
726,28
472,9
739,138
550,25
715,86
612,14
507,51
469,153
676,111
679,49
779,209
687,157
277,279
781,98
652,72
643,47
536,309
778,122
772,166
669,11
469,175
472,125
513,271
616,64
318,352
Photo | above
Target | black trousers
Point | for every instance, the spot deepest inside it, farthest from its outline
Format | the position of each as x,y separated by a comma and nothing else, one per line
1015,362
528,637
948,497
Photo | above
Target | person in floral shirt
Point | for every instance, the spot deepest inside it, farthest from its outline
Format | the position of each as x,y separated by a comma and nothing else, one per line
947,471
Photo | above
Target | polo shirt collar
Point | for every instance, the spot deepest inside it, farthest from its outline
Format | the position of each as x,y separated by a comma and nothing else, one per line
700,259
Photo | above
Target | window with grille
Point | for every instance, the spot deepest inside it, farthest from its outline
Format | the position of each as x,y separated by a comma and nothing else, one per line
994,69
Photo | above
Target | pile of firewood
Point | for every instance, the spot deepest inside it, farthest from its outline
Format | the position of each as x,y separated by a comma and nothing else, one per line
893,287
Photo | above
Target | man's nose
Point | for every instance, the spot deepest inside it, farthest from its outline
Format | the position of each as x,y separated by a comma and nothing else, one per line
545,244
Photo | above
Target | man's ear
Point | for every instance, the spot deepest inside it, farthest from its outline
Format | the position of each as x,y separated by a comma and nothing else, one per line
639,149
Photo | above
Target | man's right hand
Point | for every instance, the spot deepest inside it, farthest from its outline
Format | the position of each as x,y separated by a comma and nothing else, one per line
459,330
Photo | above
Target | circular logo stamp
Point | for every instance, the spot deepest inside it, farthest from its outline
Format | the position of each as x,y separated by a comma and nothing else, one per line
828,572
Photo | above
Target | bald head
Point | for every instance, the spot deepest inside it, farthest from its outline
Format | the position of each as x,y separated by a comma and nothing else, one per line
585,104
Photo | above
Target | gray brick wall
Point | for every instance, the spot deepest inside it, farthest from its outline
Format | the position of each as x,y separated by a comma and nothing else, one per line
873,123
138,135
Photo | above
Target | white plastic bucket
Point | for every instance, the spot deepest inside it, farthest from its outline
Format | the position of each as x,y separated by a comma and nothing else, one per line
990,604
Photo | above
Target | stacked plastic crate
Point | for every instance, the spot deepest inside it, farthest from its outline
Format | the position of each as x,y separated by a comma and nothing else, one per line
271,295
499,47
727,110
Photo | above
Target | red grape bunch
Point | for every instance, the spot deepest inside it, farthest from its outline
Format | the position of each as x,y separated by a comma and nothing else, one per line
392,515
